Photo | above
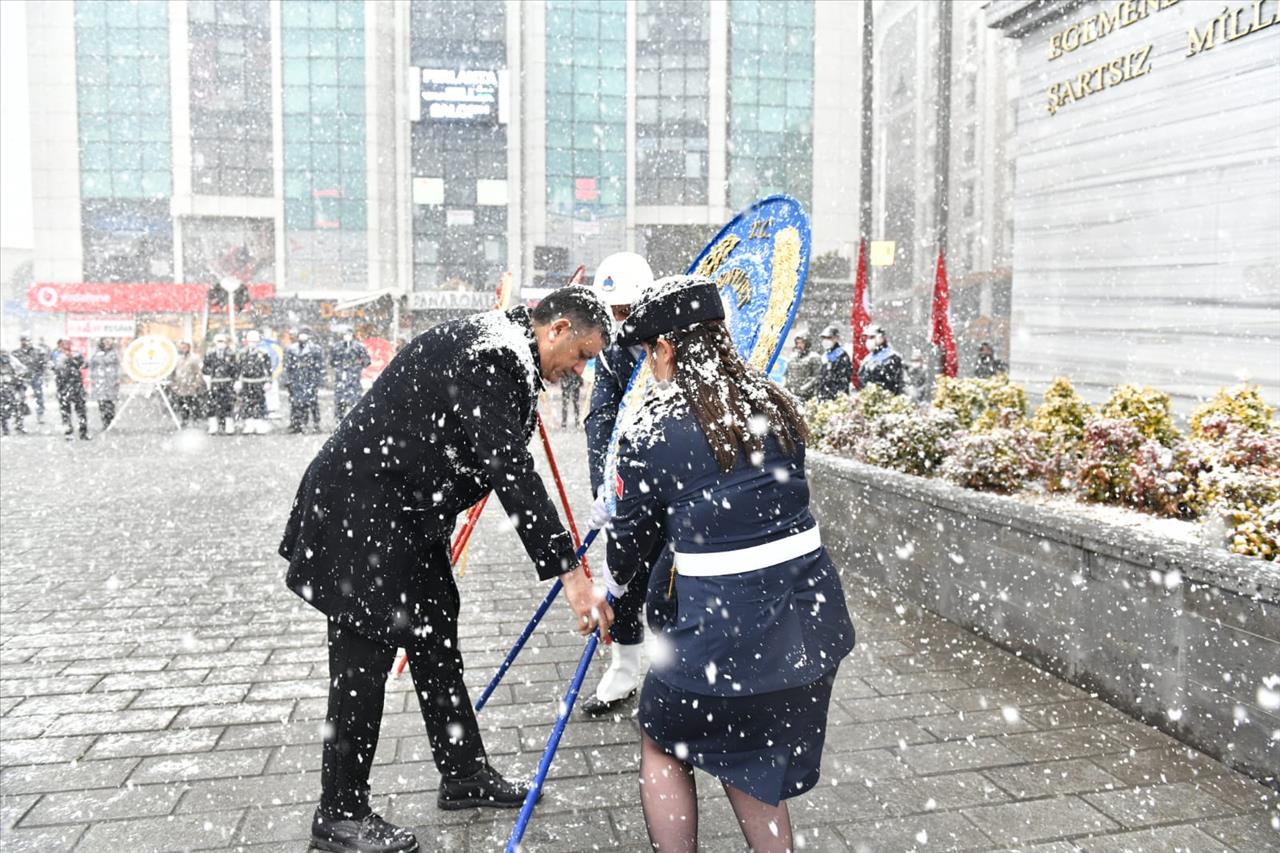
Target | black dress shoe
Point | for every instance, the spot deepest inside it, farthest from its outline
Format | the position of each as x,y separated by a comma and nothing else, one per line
370,834
483,789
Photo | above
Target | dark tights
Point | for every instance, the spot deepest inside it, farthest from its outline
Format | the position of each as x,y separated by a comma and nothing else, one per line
358,668
670,800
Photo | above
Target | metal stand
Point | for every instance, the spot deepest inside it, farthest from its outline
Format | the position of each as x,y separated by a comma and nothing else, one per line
146,390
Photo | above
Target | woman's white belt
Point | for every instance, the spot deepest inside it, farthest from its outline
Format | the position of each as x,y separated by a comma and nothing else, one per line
751,559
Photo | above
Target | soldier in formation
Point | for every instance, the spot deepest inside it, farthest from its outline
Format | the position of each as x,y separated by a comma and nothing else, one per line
303,370
68,367
349,359
220,368
253,372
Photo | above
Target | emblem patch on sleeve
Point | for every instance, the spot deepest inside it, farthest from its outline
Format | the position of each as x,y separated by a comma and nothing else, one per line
617,484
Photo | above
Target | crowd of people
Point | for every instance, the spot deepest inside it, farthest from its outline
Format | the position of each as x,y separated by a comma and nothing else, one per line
226,386
825,376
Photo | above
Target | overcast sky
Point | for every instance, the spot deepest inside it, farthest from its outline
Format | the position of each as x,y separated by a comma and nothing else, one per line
15,129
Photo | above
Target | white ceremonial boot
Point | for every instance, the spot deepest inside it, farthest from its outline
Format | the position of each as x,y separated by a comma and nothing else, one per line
262,427
619,681
213,426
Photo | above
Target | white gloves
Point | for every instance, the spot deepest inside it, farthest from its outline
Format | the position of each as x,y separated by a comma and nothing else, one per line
238,385
609,583
600,512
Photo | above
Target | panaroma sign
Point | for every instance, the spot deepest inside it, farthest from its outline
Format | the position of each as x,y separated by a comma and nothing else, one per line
461,95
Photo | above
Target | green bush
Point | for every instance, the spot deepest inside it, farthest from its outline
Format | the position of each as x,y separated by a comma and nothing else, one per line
1255,531
998,460
1106,469
914,443
981,404
818,413
1239,405
1146,408
1063,414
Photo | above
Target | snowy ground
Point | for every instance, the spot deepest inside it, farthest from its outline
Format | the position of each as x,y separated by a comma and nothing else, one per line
162,690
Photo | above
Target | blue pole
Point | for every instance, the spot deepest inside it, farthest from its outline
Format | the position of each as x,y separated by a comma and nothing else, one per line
553,742
528,629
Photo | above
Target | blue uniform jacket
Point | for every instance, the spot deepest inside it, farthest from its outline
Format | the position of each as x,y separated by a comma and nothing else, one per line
770,629
613,371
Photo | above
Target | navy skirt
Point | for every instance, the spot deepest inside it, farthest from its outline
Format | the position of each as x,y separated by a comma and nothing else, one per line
766,744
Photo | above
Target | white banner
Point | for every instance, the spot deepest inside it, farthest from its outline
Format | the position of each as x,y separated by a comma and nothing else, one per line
118,326
437,300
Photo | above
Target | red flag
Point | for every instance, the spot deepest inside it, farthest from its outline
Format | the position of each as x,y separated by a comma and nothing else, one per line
861,312
940,327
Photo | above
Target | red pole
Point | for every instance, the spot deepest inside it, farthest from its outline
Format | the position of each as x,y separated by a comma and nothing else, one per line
564,497
460,541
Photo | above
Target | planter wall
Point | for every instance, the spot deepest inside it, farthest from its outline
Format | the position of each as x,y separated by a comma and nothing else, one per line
1184,637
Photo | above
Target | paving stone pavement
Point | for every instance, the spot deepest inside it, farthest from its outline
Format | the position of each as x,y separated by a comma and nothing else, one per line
162,690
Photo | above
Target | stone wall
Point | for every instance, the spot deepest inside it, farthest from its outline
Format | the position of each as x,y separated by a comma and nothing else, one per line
1184,637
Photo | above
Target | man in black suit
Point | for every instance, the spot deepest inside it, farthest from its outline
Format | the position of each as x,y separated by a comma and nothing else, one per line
368,541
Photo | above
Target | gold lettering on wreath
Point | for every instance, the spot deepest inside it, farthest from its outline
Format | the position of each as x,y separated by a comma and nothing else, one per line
739,281
708,266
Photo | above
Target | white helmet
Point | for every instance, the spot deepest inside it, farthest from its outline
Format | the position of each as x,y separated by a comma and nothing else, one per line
252,337
621,278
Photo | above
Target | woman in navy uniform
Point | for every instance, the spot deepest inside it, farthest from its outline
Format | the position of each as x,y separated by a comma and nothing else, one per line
751,619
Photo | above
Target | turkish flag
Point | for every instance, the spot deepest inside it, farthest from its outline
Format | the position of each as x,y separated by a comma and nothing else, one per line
940,326
861,312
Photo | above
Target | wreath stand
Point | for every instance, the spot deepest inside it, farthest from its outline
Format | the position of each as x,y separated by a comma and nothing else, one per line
146,389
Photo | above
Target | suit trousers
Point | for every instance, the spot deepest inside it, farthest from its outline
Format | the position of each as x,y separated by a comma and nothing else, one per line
358,668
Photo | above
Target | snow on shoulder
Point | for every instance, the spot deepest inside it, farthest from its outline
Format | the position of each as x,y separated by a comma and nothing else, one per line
497,331
660,405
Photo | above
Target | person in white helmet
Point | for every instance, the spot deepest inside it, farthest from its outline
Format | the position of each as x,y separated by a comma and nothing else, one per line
220,373
619,281
254,372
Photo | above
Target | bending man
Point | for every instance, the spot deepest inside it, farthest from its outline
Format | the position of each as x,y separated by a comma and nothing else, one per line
368,541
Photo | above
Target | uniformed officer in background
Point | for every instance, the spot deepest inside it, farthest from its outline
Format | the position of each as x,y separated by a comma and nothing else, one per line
220,371
349,358
619,281
303,372
254,372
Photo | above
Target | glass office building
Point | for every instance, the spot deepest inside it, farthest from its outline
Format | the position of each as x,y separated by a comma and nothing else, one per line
334,146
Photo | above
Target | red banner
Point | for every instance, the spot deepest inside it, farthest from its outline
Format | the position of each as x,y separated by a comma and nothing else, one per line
85,297
940,326
861,312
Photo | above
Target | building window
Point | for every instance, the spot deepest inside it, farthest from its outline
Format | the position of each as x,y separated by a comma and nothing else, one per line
325,207
460,217
770,100
230,97
673,56
586,107
122,96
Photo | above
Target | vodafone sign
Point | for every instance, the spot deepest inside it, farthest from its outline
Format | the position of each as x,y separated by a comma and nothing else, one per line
110,298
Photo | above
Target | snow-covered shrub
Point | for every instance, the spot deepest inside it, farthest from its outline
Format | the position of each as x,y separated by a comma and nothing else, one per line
963,398
1146,408
1063,414
1005,405
874,401
998,460
844,433
1167,480
1255,531
817,413
981,404
841,425
914,443
1106,469
1238,405
1060,419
